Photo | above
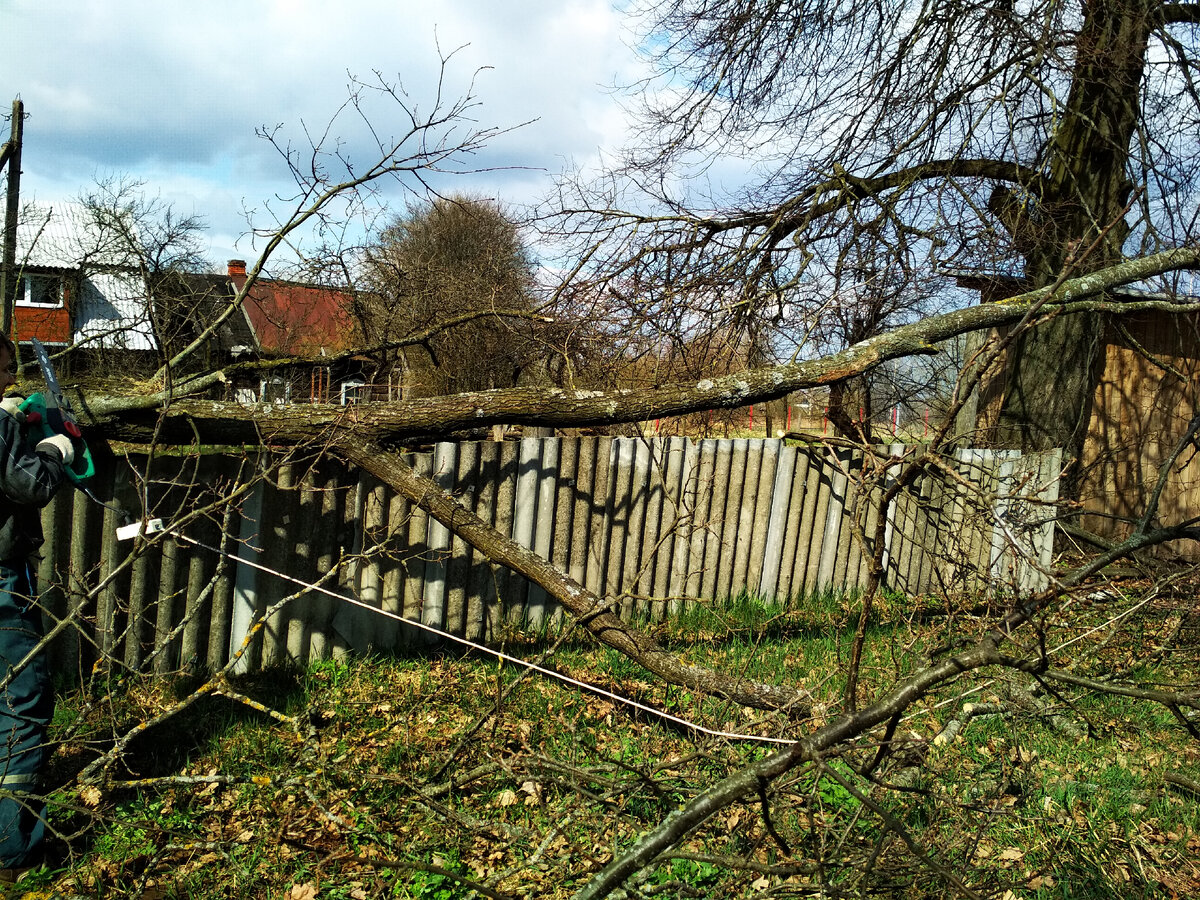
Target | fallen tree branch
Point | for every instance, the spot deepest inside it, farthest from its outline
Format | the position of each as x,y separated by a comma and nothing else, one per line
683,821
411,865
589,609
1182,781
896,827
746,781
1088,537
1166,698
133,418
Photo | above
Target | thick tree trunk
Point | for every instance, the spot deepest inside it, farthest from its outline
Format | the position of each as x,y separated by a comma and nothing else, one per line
1052,376
1077,226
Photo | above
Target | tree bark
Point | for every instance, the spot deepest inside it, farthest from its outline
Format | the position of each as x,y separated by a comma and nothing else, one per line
1052,375
1077,226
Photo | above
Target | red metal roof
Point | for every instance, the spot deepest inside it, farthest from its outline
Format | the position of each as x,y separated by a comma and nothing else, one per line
291,319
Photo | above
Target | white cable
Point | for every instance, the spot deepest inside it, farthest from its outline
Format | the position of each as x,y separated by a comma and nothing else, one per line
730,735
1117,618
354,601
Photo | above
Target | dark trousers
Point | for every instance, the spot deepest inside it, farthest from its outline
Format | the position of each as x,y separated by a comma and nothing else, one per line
26,707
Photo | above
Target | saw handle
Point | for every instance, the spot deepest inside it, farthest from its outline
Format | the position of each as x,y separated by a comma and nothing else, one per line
47,422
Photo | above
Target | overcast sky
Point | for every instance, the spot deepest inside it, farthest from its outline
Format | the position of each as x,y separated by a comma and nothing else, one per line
170,93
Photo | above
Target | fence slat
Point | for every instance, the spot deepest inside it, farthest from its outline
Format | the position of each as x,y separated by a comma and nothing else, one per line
731,457
699,579
539,606
601,517
463,480
761,520
816,503
565,490
744,516
660,519
672,460
281,552
482,598
507,582
685,511
797,483
774,537
634,579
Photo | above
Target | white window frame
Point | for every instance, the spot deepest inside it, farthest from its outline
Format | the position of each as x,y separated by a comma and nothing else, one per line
352,391
24,298
269,386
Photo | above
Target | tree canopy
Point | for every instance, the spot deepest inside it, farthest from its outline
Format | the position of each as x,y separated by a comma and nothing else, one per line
810,172
455,258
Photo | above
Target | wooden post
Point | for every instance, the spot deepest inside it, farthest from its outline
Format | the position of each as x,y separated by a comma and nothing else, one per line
11,154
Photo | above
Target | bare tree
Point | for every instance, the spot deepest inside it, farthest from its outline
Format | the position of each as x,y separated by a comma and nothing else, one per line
857,230
888,143
140,233
457,258
331,189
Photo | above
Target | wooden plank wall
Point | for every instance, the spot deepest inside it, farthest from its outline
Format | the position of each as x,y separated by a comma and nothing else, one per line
1145,399
655,524
1143,404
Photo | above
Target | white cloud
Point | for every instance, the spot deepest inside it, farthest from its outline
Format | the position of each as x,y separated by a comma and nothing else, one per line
171,93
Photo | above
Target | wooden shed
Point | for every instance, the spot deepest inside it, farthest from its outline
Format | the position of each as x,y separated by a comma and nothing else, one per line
1147,396
1147,393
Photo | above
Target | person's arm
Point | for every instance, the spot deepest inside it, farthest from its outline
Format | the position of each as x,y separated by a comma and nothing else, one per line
29,476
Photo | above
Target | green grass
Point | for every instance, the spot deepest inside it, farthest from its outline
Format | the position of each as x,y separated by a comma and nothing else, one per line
354,800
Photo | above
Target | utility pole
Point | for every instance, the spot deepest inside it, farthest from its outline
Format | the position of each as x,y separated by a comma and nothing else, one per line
10,154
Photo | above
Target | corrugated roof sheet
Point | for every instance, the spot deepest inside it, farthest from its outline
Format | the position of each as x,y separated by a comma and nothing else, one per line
112,310
69,236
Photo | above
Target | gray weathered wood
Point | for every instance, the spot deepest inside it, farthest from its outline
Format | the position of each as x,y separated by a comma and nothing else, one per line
667,521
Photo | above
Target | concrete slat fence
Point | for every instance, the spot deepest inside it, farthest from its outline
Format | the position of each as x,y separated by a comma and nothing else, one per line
653,524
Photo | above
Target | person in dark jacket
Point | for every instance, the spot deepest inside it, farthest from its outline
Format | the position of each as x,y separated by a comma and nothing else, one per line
29,477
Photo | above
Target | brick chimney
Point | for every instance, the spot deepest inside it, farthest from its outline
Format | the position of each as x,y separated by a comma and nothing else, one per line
237,268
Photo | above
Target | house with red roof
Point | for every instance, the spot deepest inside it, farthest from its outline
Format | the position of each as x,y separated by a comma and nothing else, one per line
81,285
309,328
289,318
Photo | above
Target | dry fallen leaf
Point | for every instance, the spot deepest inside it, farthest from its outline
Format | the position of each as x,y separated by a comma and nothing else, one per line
306,891
506,798
534,790
90,795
